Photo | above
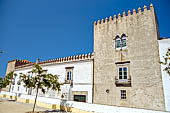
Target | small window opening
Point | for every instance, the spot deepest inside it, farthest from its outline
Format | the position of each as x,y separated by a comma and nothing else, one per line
123,94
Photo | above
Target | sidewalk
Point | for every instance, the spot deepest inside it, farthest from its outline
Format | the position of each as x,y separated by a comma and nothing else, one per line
10,106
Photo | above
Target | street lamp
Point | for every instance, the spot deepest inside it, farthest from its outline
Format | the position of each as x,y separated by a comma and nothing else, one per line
2,51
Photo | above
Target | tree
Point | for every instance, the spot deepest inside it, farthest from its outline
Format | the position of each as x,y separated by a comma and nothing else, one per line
1,83
9,78
167,62
40,80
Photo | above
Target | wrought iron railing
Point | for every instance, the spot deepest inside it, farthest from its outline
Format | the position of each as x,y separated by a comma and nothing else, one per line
123,82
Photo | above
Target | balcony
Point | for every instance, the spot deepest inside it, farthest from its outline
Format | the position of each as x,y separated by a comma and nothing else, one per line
69,82
123,82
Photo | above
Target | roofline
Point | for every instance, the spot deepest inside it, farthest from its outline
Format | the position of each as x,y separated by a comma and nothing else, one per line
46,64
12,60
69,59
162,38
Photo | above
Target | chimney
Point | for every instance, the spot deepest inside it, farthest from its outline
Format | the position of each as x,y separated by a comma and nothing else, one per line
37,61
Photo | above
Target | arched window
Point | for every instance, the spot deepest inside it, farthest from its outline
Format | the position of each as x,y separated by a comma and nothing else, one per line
117,42
120,42
123,40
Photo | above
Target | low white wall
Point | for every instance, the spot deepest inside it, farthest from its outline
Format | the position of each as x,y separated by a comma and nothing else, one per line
87,106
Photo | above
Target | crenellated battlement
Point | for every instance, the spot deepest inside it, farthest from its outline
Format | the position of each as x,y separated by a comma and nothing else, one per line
69,58
79,57
119,16
20,62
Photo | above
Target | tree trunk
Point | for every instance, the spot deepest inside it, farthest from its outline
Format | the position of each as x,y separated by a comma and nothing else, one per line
35,99
9,88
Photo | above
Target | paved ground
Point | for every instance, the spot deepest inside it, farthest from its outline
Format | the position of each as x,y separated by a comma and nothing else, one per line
9,106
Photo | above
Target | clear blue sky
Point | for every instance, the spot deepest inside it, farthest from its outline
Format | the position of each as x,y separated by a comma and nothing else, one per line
56,28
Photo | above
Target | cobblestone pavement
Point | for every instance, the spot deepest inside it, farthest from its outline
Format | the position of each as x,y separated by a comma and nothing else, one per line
9,106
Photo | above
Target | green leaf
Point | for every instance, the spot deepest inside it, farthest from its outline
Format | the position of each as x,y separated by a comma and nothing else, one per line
166,62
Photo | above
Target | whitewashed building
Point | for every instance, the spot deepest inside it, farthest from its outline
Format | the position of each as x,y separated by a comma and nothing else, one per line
164,46
76,72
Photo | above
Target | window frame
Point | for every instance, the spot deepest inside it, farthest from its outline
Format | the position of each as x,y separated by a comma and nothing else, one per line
123,94
123,77
120,39
81,98
125,81
69,70
69,75
124,37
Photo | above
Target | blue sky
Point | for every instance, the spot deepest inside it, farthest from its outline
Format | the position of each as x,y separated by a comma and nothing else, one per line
51,28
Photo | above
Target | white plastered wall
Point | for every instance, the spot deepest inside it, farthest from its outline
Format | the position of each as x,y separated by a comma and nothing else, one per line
82,78
163,47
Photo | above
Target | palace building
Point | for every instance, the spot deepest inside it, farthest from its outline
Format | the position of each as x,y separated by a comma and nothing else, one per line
123,70
76,72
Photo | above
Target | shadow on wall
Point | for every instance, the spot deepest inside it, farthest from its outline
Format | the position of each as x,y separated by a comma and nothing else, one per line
64,106
19,94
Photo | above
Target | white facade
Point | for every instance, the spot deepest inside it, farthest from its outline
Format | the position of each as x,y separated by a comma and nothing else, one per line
82,71
164,45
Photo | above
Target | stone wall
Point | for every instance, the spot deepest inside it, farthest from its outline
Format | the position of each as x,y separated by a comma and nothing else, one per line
142,53
10,66
14,63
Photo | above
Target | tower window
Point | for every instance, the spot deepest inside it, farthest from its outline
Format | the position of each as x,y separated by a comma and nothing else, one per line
122,72
123,94
123,42
120,42
123,77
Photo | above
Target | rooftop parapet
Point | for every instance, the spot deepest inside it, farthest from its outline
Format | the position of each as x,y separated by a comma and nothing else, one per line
20,62
124,14
79,57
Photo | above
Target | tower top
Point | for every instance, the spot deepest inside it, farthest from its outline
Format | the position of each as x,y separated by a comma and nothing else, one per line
134,12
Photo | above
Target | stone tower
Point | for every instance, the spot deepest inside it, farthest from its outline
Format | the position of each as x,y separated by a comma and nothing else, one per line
126,61
13,63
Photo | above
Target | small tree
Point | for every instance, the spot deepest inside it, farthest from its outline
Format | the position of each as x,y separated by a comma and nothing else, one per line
9,78
40,80
1,83
167,62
